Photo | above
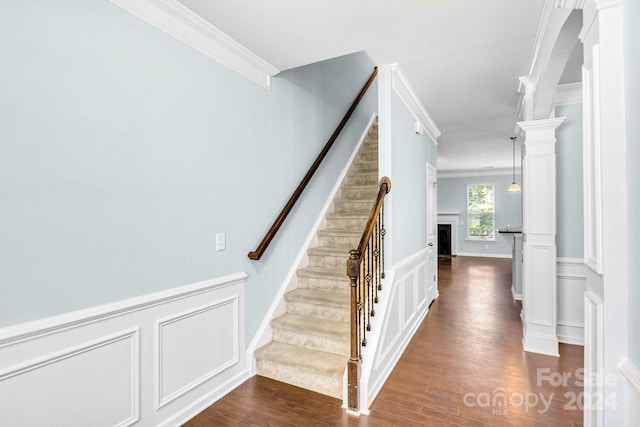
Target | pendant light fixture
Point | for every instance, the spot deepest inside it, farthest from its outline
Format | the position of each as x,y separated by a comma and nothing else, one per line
514,186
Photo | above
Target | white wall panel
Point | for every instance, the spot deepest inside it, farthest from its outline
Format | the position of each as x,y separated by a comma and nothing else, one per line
102,375
154,360
401,312
572,284
195,346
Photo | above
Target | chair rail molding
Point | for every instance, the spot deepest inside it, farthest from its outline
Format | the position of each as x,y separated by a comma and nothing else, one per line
173,18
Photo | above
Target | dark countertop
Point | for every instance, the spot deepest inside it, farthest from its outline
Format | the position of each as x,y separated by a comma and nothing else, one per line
510,230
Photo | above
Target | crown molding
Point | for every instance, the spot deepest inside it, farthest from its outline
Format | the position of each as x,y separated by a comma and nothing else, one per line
405,91
463,173
178,21
567,94
606,4
570,4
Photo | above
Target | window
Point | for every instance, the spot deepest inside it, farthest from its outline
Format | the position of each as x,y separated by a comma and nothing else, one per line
480,212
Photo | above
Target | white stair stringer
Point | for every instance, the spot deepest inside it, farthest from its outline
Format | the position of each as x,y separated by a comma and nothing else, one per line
310,341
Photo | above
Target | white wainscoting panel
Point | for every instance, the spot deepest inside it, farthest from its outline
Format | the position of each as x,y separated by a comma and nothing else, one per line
403,305
572,284
154,360
195,346
58,381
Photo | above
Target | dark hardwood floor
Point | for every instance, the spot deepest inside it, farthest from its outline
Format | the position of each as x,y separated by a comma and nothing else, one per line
464,367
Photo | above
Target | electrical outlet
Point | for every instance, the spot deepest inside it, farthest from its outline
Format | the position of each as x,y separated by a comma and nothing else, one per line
221,242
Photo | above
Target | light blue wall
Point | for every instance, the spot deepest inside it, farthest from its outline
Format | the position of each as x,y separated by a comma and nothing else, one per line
632,83
123,152
410,154
452,198
403,158
569,208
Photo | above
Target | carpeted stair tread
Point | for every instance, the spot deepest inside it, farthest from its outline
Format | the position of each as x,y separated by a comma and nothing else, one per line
312,326
332,251
325,272
321,298
318,362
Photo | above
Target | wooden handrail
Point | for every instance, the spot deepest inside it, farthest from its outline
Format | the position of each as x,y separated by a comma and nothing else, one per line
257,254
384,188
365,269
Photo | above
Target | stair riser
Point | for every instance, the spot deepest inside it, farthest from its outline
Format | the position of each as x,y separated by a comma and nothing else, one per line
365,178
324,284
368,167
349,224
319,383
344,206
312,342
340,314
370,155
333,261
347,242
368,193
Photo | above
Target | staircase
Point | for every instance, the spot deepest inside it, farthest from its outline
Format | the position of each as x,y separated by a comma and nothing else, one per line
311,341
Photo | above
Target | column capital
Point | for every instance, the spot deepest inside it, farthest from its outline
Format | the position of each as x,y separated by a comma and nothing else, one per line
544,125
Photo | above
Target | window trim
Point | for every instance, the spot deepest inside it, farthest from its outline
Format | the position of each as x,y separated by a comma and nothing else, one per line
491,238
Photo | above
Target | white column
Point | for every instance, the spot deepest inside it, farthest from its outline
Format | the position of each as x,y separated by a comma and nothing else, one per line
539,295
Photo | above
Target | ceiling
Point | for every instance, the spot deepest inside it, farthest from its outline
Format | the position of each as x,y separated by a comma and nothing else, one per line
463,57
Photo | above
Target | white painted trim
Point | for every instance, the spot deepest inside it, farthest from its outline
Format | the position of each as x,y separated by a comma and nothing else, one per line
263,334
39,328
173,18
473,254
407,94
516,296
164,400
631,373
183,415
549,29
568,94
67,354
31,353
379,362
452,220
460,173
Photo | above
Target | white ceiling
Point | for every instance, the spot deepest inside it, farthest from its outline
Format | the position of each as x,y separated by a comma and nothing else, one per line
463,57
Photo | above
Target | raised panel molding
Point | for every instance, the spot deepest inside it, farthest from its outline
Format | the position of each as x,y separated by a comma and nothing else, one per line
173,18
112,393
401,313
190,338
193,353
572,283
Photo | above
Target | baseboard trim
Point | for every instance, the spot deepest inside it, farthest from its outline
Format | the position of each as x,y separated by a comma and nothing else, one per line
207,400
541,344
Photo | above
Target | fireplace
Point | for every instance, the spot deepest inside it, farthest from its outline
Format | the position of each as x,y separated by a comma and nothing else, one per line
447,228
444,239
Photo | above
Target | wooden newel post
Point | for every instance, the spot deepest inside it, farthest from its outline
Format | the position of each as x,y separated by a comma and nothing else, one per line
353,366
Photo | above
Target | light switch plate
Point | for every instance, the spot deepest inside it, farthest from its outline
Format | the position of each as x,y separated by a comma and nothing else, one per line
221,242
